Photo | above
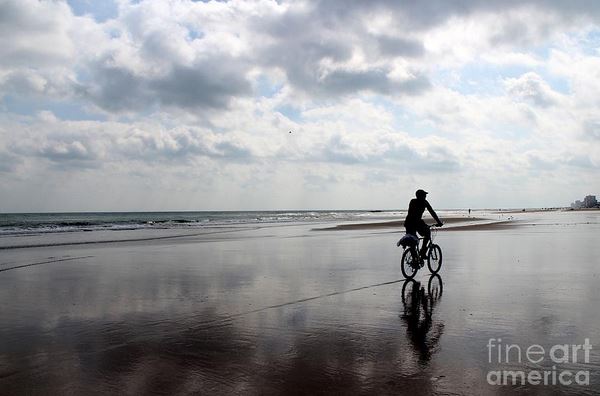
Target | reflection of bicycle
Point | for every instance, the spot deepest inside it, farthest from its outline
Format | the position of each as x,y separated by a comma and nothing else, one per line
412,261
435,288
422,330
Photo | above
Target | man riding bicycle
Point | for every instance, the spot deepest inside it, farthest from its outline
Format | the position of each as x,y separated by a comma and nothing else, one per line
414,222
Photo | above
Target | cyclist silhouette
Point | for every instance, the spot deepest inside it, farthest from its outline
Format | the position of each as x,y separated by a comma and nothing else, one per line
414,222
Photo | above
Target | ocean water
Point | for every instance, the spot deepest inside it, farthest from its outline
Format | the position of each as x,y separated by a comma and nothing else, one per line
39,223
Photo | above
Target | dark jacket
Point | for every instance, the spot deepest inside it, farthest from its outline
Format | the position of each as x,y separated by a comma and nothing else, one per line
416,209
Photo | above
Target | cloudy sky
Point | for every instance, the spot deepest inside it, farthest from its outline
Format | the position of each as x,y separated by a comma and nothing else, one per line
183,105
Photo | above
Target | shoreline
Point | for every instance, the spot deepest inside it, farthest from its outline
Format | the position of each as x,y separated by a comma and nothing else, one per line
79,238
453,223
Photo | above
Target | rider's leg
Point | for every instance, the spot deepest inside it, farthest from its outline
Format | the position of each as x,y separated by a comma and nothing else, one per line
410,229
426,233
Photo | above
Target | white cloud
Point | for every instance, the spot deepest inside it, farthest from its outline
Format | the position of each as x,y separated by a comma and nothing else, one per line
35,32
530,87
455,95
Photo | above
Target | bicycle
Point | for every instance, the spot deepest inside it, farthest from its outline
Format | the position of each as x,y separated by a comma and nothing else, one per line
412,261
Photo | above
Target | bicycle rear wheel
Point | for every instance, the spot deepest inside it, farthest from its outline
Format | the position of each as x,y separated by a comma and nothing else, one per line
434,259
407,290
409,266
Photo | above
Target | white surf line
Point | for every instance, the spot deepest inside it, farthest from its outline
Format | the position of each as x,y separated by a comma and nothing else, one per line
226,319
44,262
122,240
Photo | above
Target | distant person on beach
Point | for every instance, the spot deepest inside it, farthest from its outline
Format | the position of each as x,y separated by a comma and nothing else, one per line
414,222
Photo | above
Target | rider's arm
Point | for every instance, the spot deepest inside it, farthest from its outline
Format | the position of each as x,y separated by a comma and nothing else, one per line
432,213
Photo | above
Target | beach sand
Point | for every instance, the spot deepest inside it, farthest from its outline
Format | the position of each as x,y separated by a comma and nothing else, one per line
452,222
288,309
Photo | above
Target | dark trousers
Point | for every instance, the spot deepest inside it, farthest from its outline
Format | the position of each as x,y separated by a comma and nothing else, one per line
412,227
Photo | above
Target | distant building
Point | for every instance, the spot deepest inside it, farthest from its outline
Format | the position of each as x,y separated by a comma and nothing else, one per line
590,201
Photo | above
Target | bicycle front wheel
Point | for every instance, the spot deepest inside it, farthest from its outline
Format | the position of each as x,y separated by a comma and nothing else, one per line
434,259
409,265
435,287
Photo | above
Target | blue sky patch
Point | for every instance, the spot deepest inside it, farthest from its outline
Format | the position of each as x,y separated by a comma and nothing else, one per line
290,112
64,110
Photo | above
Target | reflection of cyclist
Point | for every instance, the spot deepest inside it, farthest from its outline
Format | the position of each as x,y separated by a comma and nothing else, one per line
414,222
421,330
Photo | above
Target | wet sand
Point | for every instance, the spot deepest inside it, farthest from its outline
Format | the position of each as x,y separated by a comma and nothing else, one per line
285,309
399,224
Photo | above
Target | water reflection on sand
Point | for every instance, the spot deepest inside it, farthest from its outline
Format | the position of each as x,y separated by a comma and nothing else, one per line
291,310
